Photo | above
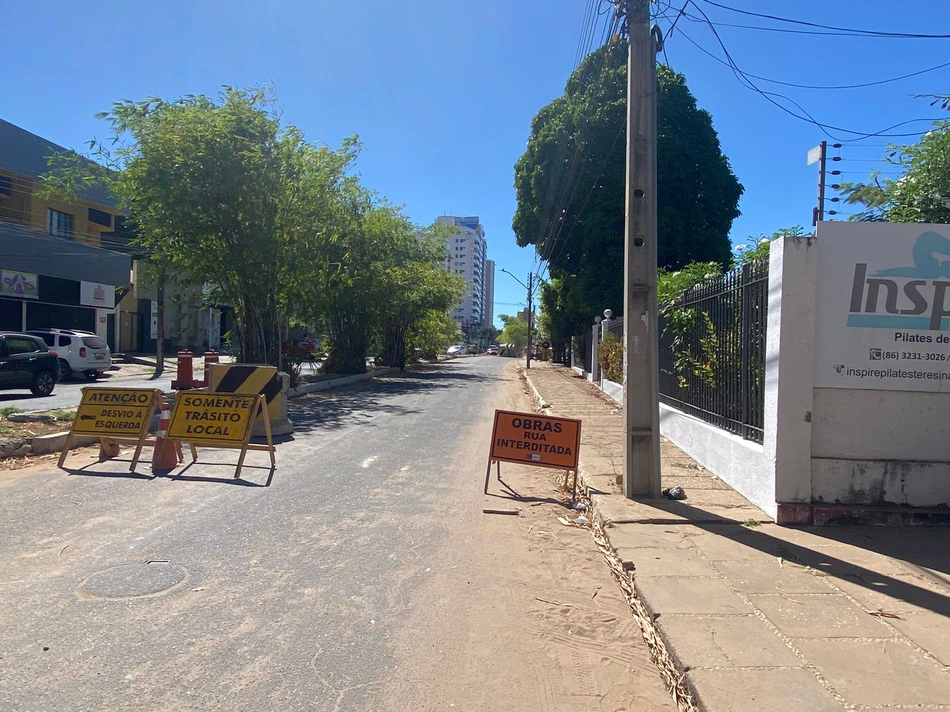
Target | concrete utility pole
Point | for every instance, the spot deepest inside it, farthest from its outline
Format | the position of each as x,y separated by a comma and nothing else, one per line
641,450
528,352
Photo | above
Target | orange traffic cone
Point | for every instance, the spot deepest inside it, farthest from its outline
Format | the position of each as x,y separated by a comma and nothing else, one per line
165,455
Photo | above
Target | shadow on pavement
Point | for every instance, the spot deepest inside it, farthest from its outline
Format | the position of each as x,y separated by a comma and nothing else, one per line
355,404
920,547
229,480
85,472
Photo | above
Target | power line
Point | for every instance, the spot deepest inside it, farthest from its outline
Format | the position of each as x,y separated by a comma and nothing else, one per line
870,33
745,81
820,87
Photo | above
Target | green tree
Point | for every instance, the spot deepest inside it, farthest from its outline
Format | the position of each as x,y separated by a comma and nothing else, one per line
570,187
921,194
515,332
209,187
758,247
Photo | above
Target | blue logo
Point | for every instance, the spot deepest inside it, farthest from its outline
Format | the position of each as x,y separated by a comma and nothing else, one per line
927,264
911,297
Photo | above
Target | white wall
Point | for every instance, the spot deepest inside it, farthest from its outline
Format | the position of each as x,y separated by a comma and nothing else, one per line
740,463
821,444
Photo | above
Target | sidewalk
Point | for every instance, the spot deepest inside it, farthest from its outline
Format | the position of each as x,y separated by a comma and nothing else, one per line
761,617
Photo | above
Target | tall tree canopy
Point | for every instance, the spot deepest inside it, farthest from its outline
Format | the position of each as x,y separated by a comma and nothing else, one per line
570,187
921,194
223,195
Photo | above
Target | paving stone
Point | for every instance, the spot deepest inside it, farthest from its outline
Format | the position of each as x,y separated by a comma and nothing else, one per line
667,562
729,542
897,594
854,668
810,615
930,631
725,641
656,536
690,595
772,576
783,690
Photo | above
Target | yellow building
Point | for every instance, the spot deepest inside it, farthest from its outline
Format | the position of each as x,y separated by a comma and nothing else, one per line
56,268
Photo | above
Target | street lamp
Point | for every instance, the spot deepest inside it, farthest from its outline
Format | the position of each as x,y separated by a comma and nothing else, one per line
606,323
528,287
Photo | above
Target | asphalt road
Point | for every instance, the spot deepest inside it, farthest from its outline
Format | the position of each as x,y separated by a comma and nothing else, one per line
283,590
67,394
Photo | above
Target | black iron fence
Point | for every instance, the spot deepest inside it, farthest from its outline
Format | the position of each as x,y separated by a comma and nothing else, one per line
712,350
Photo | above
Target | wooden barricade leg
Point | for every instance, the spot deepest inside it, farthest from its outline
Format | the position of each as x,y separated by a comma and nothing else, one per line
270,440
62,455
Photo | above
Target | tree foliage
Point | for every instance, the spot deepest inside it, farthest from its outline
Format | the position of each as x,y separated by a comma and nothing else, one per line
921,194
222,195
514,332
570,188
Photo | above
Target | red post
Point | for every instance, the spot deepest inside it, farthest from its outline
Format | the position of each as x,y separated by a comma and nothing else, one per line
211,357
185,379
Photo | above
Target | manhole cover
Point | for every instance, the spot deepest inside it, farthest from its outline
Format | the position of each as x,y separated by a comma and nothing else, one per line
134,580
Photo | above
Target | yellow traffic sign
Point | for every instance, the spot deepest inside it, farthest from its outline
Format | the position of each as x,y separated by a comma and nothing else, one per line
202,417
114,411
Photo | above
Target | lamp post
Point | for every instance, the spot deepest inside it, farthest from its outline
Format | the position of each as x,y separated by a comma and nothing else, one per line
530,287
605,324
594,356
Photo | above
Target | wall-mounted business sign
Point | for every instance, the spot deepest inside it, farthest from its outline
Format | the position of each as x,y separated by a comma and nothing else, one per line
21,285
882,318
94,294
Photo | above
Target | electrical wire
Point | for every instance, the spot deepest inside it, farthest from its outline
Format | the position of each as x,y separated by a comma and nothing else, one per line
745,81
821,87
870,33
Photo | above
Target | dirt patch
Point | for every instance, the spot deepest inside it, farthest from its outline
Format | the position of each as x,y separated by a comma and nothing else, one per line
521,613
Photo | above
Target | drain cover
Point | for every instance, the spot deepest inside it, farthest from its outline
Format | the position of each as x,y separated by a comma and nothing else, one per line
134,580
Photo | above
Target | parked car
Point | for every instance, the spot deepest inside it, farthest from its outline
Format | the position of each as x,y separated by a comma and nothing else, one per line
27,362
457,350
493,350
79,351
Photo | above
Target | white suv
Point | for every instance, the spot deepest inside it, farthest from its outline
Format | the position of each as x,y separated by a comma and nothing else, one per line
79,351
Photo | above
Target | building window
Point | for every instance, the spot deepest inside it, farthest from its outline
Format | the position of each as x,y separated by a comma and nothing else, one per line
59,224
100,217
6,186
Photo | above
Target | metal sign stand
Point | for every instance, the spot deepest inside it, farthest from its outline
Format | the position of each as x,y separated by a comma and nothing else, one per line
106,441
260,411
498,476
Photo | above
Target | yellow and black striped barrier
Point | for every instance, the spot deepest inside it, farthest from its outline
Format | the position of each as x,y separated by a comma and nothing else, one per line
247,379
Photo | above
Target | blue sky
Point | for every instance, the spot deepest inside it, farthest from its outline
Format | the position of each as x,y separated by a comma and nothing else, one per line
442,92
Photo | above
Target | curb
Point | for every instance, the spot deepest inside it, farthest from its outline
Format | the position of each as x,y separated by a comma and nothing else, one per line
337,382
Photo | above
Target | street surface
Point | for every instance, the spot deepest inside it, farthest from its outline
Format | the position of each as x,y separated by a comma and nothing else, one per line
361,575
67,394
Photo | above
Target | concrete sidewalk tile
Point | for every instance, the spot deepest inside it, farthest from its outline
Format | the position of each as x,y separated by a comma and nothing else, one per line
897,594
655,536
667,562
690,481
878,672
774,576
729,542
725,641
757,690
931,631
811,615
685,594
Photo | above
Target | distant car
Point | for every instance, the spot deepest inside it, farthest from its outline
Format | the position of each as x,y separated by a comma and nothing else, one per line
457,350
493,350
79,351
27,362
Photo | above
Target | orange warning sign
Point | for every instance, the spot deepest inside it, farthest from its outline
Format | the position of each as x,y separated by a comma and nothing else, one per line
533,439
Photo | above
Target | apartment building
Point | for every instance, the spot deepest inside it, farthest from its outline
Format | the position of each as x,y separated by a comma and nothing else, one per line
467,258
